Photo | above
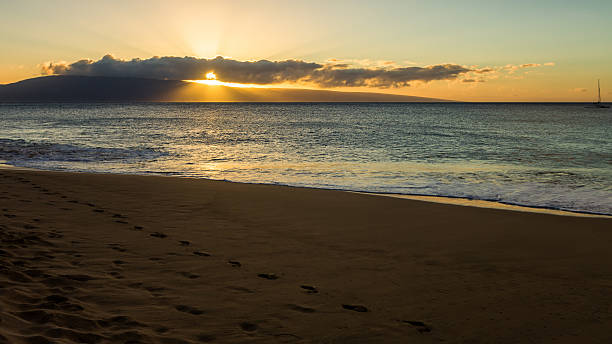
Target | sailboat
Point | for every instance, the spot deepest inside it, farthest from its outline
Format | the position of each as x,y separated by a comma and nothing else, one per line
599,104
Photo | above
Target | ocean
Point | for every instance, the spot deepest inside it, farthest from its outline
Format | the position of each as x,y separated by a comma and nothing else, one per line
556,156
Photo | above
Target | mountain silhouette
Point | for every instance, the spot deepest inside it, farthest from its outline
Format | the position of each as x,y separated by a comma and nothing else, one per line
119,89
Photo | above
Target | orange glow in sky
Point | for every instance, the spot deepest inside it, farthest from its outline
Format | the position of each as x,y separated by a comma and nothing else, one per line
520,50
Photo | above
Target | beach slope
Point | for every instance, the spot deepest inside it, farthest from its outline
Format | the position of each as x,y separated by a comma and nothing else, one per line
90,258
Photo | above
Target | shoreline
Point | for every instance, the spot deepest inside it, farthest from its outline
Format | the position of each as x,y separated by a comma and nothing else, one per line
468,202
461,201
115,258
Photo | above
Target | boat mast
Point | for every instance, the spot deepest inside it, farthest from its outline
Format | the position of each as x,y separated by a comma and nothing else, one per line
598,93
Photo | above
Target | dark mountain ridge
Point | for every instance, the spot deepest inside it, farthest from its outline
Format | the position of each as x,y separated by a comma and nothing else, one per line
119,89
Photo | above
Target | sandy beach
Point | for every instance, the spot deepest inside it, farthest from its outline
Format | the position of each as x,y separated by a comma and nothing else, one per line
92,258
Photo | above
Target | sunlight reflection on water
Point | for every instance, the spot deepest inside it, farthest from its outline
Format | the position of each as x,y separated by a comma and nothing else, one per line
551,155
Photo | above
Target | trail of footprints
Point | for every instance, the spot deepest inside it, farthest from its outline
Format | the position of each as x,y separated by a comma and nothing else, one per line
57,309
39,300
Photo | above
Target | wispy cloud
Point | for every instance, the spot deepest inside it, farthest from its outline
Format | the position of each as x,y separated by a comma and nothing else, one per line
479,74
513,68
334,73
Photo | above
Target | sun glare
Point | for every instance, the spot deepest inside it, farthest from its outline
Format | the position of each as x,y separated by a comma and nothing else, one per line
211,80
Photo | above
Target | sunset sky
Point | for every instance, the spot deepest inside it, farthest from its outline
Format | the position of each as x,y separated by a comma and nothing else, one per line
462,50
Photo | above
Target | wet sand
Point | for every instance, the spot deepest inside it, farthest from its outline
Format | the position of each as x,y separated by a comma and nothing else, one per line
90,258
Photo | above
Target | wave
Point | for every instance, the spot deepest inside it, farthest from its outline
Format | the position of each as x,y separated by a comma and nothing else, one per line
30,153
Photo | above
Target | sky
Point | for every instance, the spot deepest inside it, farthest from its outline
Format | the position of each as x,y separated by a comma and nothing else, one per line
462,50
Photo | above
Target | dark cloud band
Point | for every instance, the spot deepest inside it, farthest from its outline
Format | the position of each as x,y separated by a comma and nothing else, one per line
261,72
331,76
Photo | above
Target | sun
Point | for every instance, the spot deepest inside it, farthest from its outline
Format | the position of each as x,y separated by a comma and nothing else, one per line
211,80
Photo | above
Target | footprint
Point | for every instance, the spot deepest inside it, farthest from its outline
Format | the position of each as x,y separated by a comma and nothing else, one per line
119,216
158,235
190,275
269,276
56,298
184,242
138,228
59,302
121,221
205,338
156,291
309,289
80,278
241,289
35,273
188,309
129,337
98,210
116,274
234,263
247,326
421,326
356,308
302,309
120,322
201,253
118,262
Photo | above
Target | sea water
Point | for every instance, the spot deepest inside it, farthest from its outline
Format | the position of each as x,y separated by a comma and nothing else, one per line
543,155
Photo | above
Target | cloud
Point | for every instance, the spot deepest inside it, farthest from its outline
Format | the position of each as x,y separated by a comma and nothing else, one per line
263,72
513,68
188,68
329,76
483,70
530,65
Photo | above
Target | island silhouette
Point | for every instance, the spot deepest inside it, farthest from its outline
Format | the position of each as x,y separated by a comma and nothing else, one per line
64,88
